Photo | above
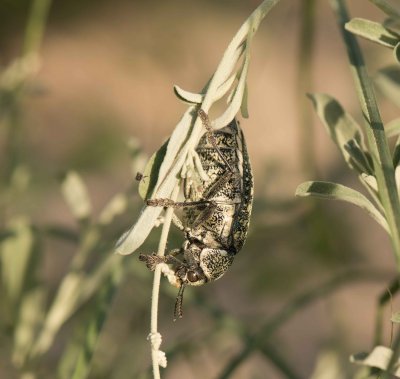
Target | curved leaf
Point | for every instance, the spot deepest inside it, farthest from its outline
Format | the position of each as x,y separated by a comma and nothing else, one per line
197,98
334,191
341,127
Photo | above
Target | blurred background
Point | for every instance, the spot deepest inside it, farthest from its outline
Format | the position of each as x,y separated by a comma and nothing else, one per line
100,102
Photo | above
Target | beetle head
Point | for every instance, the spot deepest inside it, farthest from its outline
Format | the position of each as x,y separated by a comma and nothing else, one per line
200,266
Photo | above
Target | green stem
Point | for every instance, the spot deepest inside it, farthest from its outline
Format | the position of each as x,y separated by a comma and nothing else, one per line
35,27
375,132
304,83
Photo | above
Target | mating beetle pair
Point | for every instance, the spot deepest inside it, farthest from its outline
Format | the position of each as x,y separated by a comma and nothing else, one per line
216,212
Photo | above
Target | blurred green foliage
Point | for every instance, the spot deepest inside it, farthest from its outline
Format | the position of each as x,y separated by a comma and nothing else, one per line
69,306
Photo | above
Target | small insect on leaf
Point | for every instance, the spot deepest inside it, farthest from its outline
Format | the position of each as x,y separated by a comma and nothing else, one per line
216,210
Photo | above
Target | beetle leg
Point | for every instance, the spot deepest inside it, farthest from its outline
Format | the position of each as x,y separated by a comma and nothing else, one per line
178,313
204,215
210,136
154,259
213,190
168,203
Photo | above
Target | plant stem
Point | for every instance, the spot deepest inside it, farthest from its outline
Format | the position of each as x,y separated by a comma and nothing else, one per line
304,79
375,132
35,27
156,285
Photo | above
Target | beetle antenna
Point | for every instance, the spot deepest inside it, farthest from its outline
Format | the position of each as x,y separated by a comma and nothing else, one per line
178,303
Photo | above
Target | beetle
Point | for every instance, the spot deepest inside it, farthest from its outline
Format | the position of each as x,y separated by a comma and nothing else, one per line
216,211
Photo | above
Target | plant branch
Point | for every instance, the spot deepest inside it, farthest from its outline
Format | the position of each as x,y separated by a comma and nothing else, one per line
375,132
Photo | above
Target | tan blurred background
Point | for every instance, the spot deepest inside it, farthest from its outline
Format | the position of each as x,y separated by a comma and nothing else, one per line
107,74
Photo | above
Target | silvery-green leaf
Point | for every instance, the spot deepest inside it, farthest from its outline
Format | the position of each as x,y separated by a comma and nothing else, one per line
165,176
236,102
340,125
188,97
388,81
379,357
360,160
228,62
371,185
373,31
197,98
371,181
151,172
15,255
334,191
76,195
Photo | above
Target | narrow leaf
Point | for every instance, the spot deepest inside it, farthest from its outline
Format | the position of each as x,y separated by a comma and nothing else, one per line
372,31
237,98
359,159
340,126
197,98
333,191
151,172
188,97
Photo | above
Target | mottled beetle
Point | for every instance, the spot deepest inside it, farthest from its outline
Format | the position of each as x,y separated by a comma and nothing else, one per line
216,212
